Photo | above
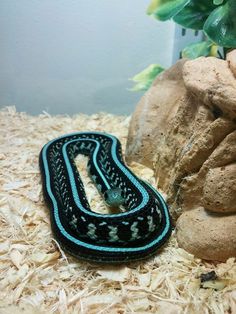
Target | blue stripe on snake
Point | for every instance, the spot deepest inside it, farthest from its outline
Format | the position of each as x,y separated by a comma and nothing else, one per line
133,234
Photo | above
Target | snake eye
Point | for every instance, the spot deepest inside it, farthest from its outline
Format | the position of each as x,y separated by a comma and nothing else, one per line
105,195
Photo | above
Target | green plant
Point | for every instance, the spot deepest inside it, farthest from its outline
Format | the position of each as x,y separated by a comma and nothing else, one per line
145,78
217,19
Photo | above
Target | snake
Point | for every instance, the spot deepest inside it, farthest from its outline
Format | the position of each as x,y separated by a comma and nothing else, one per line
141,223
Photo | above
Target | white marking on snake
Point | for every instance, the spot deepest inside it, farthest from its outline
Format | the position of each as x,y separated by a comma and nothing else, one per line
140,218
159,212
134,230
102,223
113,234
151,225
125,222
91,231
73,222
94,178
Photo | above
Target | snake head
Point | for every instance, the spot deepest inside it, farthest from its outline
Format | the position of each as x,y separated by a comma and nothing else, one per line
114,198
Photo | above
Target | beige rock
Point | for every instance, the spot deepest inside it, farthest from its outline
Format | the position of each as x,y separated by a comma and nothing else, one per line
231,58
186,187
155,110
219,191
224,153
208,236
189,140
204,143
211,81
178,140
182,144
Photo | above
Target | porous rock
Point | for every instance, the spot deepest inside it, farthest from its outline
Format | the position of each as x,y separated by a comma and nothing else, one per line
219,190
190,188
182,144
151,117
191,140
207,235
211,81
231,58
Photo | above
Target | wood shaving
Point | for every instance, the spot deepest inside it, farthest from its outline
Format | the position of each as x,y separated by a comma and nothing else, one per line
115,273
36,276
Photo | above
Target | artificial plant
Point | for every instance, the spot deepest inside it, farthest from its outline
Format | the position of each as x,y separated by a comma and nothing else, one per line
216,18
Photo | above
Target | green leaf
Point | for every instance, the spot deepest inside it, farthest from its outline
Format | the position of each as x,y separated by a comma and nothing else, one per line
194,14
220,26
203,48
165,9
145,78
152,7
148,74
141,87
214,51
218,2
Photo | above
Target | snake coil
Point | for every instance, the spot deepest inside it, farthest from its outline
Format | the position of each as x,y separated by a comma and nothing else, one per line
131,235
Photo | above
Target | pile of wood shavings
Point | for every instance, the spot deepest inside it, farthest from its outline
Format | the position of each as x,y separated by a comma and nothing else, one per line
36,276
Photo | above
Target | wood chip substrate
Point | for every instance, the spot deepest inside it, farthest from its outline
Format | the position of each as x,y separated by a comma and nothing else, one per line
36,276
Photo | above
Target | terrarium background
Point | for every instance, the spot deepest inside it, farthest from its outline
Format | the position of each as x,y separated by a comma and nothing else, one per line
77,56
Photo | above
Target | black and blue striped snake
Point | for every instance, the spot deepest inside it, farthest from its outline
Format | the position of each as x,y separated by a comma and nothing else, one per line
133,234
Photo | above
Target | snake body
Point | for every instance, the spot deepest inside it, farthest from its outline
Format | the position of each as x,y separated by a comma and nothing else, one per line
133,234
